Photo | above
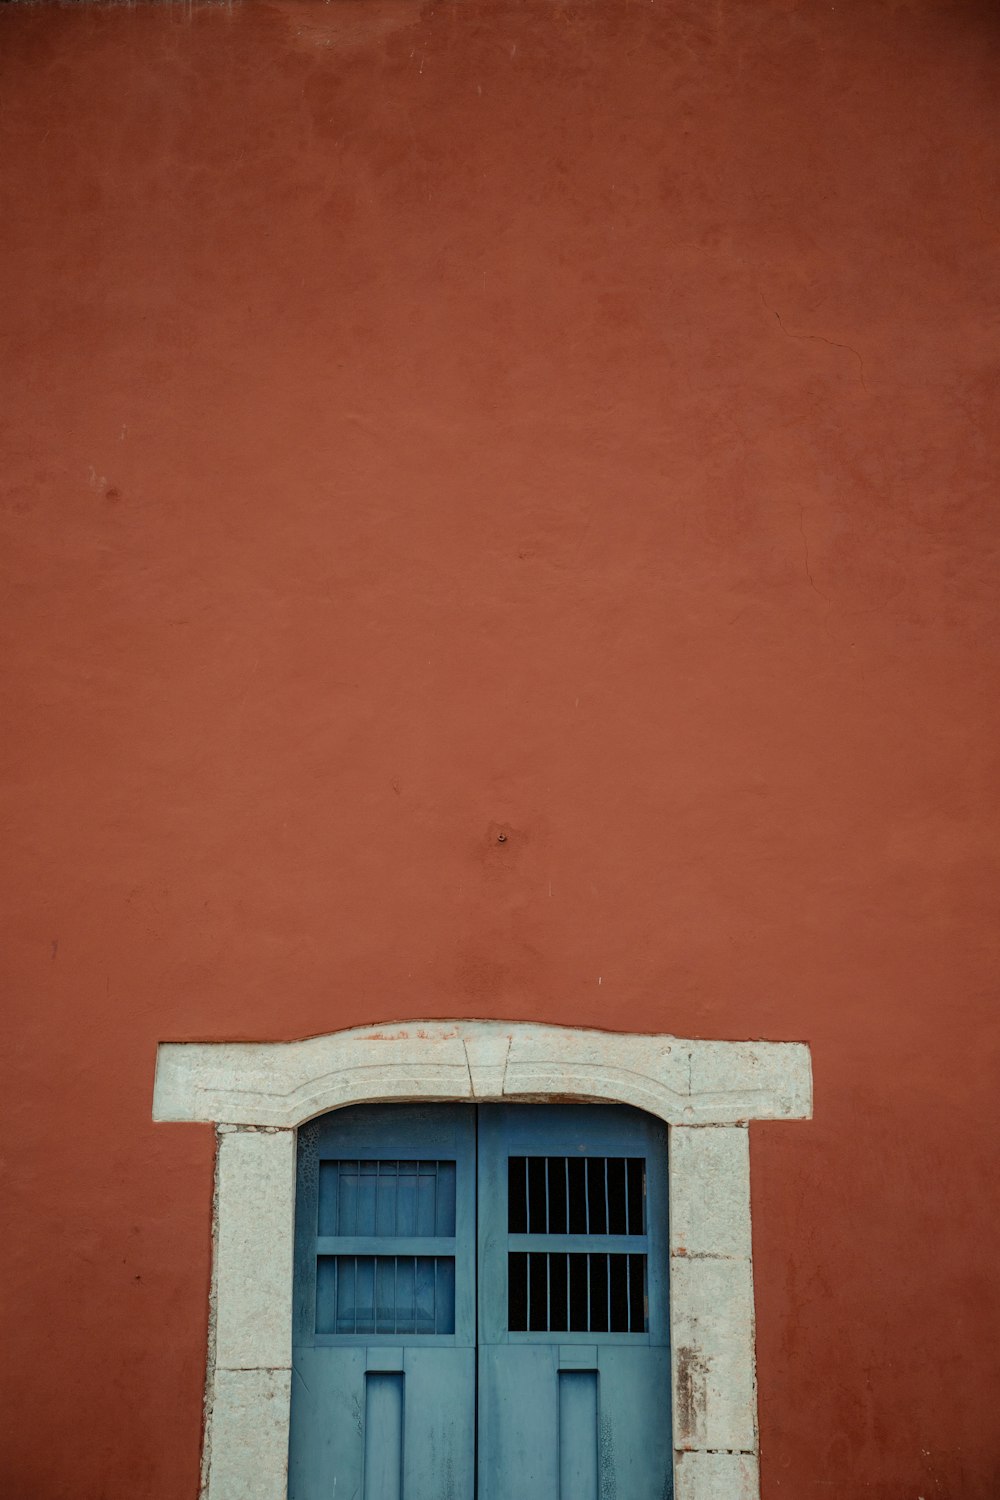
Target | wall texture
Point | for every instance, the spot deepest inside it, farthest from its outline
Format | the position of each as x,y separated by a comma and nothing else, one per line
576,421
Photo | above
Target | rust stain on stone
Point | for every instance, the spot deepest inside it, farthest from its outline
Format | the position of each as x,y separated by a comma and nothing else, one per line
691,1372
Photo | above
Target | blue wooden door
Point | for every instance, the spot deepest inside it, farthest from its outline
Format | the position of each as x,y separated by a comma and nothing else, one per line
574,1359
569,1396
383,1358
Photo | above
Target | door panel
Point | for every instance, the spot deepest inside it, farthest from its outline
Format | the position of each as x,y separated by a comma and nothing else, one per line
574,1360
549,1428
384,1382
636,1434
578,1434
343,1411
383,1470
518,1422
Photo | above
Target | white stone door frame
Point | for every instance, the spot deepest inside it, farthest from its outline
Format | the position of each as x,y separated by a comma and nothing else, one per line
257,1094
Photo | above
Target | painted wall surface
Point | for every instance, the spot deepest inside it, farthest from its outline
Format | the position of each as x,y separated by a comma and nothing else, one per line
577,421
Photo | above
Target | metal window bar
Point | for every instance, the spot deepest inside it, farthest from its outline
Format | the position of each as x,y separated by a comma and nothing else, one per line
588,1294
384,1294
601,1195
581,1304
562,1208
389,1203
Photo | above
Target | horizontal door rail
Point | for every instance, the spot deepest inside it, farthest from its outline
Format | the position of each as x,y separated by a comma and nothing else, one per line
591,1244
385,1245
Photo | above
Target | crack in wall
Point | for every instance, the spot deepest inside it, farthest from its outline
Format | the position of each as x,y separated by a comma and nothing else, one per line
805,549
818,338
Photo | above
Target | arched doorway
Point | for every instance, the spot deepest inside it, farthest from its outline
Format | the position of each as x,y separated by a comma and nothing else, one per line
258,1094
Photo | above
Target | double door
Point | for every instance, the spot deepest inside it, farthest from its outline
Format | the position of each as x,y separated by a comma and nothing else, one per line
480,1305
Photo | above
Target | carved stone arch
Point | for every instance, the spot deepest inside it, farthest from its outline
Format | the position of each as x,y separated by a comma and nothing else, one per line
257,1094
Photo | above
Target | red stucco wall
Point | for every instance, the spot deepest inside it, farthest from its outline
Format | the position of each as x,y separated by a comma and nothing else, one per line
576,418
